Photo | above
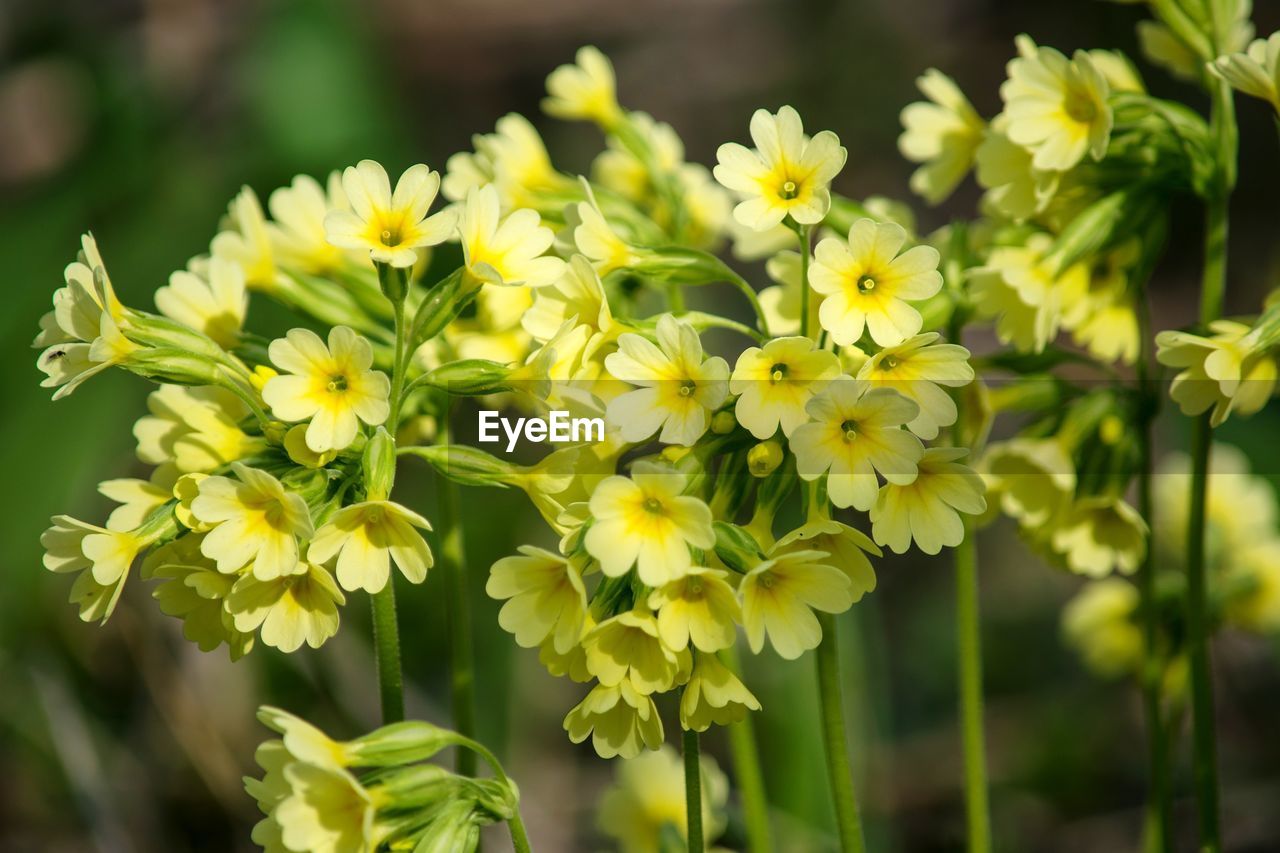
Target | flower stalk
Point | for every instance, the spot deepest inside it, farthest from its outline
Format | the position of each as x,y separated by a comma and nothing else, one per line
835,739
693,790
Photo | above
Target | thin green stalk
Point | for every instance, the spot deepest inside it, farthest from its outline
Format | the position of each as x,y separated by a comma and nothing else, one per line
386,644
835,739
519,836
1159,805
969,648
693,791
461,653
747,773
803,232
744,286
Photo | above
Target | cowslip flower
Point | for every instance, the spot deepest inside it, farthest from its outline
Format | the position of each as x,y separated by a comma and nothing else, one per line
102,558
942,135
367,537
332,385
194,429
1057,107
714,695
867,283
594,237
786,174
137,498
586,90
776,382
679,389
297,232
391,227
1021,291
618,720
780,302
645,521
513,158
1033,477
544,598
1014,187
190,587
506,250
1225,371
577,295
256,520
699,608
1099,535
647,803
927,510
1241,507
627,648
780,594
214,305
326,810
855,433
289,610
1100,622
1255,71
915,369
846,548
247,243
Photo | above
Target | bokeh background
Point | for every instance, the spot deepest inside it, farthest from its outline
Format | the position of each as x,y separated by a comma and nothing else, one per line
139,119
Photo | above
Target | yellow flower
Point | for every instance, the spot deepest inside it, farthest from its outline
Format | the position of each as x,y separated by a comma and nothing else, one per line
101,557
367,537
779,597
298,235
595,238
1226,371
196,429
647,803
1101,623
679,388
1099,535
390,226
619,721
1256,575
787,174
943,135
1256,71
928,509
846,549
855,433
288,610
714,695
256,520
1057,107
514,159
774,384
544,595
1015,189
577,295
137,498
781,302
646,522
215,306
1017,287
506,250
192,589
584,91
1109,328
333,386
247,243
698,608
627,648
915,368
326,811
1034,478
867,283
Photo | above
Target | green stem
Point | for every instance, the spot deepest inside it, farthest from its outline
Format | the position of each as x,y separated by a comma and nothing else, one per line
1202,714
1159,806
693,791
835,740
762,322
803,232
969,671
386,643
519,836
461,653
398,370
747,772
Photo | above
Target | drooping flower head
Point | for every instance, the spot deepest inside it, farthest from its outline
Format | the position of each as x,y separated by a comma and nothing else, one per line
927,510
780,594
585,90
367,537
942,134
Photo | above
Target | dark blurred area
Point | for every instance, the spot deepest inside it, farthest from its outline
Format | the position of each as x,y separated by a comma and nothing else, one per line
139,120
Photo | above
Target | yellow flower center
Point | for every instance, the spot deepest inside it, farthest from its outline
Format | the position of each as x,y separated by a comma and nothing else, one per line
694,587
767,580
1080,107
866,284
337,384
653,505
888,363
687,387
373,515
778,372
850,430
789,190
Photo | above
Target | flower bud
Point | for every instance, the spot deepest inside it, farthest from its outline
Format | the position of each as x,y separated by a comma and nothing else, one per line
736,547
443,304
471,377
723,422
764,458
295,444
468,465
174,365
379,463
394,282
401,743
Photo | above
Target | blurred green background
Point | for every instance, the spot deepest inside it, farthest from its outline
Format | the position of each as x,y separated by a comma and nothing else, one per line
139,119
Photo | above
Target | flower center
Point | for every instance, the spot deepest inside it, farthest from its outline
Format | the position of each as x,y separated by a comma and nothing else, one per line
888,363
1080,107
337,384
866,284
694,586
850,430
778,372
767,580
790,189
653,505
687,387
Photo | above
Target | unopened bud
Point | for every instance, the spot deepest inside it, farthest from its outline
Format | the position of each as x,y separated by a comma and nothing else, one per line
764,458
379,463
723,422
